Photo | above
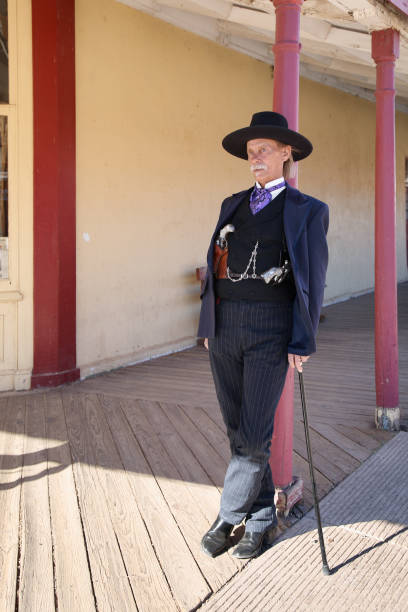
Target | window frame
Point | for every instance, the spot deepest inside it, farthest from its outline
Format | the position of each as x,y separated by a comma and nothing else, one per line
10,111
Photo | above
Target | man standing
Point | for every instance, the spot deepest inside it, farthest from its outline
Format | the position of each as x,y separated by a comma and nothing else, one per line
261,303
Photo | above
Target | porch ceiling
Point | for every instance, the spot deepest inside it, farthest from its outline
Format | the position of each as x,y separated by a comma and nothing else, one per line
335,35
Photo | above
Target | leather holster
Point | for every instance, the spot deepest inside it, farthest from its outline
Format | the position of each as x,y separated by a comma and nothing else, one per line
220,259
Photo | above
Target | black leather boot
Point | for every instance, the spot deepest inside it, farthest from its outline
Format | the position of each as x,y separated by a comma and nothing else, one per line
217,537
249,545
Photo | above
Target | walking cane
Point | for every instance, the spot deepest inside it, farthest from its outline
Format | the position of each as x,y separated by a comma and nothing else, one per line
325,568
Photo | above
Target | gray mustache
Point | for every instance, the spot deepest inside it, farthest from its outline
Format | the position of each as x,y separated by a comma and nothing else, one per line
258,167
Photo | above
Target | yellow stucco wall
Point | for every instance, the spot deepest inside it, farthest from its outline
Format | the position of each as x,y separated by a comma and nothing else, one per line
341,172
153,103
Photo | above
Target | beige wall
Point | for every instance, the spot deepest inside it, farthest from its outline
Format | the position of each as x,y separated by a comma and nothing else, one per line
341,172
153,103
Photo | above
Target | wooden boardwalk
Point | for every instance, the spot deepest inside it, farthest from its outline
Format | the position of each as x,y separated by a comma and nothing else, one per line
108,485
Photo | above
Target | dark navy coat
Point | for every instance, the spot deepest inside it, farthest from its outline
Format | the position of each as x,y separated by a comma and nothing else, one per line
305,221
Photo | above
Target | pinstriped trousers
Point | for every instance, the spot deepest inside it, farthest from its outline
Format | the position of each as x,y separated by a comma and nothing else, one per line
248,357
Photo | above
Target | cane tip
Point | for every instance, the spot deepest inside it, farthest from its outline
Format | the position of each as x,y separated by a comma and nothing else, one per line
326,570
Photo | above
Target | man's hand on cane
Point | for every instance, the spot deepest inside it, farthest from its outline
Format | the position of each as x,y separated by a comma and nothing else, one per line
296,361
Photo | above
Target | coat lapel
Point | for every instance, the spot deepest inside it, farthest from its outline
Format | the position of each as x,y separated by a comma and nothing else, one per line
294,217
231,207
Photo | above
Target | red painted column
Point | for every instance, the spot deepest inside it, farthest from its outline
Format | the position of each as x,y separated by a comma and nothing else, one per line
53,28
385,50
286,68
286,102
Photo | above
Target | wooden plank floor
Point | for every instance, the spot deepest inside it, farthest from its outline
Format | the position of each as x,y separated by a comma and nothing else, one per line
107,485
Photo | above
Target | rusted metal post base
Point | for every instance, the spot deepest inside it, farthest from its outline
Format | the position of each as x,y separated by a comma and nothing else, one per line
387,418
287,497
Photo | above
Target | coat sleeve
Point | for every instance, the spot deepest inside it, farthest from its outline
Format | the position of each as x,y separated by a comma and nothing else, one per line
306,309
318,261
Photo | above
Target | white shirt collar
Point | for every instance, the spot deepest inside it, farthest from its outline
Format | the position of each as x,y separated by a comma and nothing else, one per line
271,183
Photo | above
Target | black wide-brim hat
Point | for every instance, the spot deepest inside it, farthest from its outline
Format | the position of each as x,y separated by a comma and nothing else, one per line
267,124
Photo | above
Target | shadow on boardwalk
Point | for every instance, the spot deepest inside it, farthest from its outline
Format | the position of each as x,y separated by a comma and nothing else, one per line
108,485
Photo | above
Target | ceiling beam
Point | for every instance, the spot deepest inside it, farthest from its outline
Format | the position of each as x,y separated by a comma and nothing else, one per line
373,15
325,10
257,5
236,29
255,19
219,9
348,38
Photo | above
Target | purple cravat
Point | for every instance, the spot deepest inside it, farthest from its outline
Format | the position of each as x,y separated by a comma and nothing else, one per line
261,197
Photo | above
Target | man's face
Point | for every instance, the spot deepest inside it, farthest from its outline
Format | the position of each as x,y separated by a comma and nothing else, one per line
266,158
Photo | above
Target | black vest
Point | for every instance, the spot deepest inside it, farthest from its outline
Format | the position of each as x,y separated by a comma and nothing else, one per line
266,227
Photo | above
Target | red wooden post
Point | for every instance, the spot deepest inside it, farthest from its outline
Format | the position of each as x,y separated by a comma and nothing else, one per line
385,50
286,68
282,439
53,27
286,101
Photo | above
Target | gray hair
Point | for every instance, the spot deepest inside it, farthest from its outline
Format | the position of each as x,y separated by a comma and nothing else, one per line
289,168
288,165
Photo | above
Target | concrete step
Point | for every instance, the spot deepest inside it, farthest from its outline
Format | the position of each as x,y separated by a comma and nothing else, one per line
365,522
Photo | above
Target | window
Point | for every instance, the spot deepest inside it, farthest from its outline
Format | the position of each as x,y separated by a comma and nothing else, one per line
3,199
4,99
4,63
406,204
